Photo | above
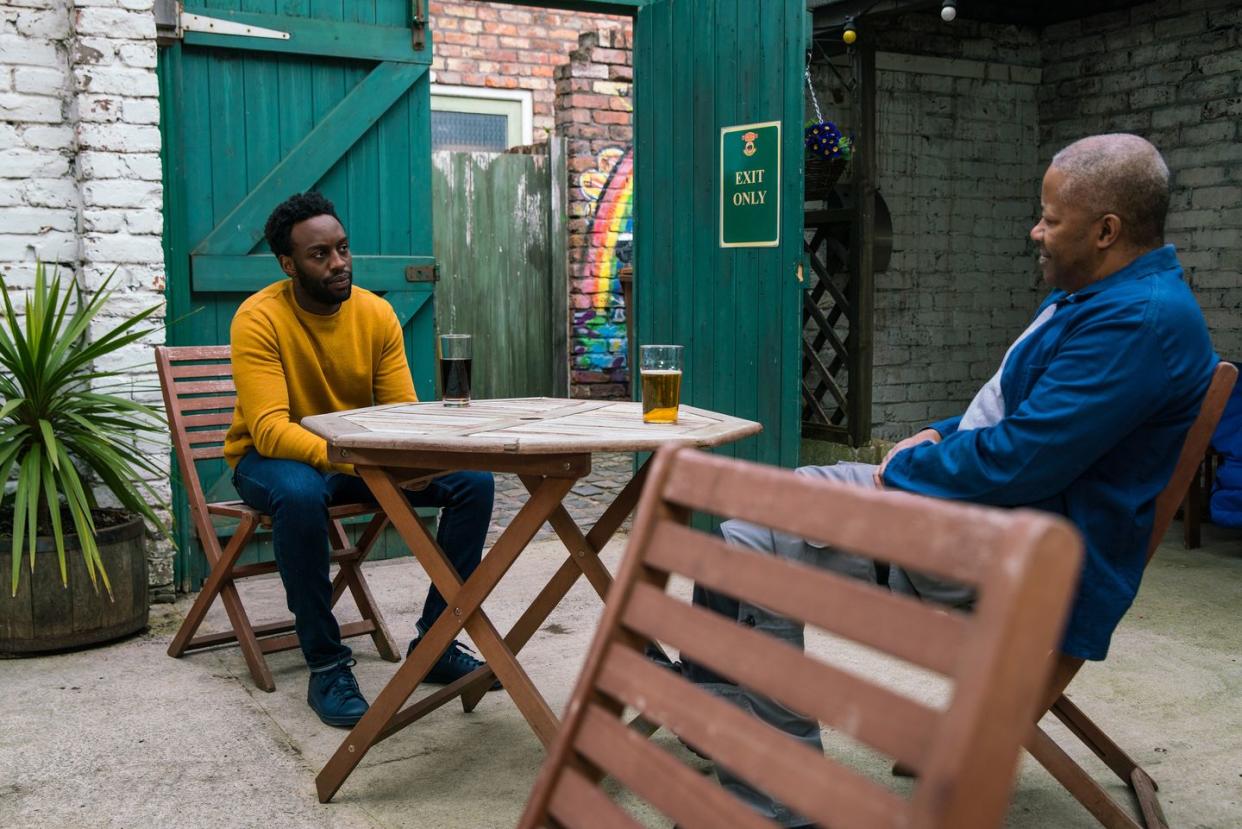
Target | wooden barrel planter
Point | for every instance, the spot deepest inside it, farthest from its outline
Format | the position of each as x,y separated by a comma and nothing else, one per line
47,616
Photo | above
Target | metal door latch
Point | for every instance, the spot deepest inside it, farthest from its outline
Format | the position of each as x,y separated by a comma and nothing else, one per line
418,24
423,273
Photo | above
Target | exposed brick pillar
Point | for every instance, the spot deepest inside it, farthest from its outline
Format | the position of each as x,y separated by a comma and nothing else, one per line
594,113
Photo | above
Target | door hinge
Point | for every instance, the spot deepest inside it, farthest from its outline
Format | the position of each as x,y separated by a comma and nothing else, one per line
423,273
418,24
220,26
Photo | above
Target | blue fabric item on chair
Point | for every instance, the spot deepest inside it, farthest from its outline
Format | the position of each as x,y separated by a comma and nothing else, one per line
1226,503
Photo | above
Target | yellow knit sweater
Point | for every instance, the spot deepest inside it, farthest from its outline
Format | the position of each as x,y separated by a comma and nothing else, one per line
289,364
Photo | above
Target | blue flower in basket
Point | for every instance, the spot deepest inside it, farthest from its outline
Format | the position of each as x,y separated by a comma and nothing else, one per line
824,139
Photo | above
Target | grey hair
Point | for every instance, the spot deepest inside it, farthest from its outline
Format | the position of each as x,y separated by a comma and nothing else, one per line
1122,174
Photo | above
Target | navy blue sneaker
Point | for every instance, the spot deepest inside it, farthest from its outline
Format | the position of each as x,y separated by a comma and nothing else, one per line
333,695
452,665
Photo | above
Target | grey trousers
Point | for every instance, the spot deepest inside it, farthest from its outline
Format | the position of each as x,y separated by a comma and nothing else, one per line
789,547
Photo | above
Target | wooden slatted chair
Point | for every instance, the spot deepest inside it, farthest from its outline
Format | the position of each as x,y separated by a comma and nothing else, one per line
1071,775
1023,564
199,397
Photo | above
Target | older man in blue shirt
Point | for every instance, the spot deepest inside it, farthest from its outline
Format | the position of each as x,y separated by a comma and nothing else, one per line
1084,418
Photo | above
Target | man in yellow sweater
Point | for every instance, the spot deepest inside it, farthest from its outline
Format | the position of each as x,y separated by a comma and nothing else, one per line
308,345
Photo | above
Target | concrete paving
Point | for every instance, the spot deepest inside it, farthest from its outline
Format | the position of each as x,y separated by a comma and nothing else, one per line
123,736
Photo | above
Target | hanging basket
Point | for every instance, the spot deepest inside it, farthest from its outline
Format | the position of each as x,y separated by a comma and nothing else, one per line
822,175
827,151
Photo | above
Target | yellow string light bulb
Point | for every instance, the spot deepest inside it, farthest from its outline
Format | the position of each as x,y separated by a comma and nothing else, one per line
849,34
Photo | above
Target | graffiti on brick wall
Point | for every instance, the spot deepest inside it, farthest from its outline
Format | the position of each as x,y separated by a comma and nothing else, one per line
599,331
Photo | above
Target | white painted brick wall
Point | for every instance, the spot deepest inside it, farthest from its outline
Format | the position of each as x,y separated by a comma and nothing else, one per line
1173,74
80,170
965,137
958,168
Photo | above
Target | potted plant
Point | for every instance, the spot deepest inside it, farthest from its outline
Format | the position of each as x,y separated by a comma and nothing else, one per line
61,427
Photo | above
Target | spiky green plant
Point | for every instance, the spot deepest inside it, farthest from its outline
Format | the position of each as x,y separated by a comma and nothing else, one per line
58,424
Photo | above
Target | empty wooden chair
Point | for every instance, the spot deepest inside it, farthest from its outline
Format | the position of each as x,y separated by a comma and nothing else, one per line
1023,565
1071,775
199,397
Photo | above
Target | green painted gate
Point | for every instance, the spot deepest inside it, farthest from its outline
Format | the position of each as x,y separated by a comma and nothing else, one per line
500,236
701,66
316,94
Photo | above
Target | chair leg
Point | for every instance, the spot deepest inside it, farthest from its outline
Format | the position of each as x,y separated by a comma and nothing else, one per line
1092,736
221,570
1145,791
220,583
1192,512
351,576
246,639
1078,783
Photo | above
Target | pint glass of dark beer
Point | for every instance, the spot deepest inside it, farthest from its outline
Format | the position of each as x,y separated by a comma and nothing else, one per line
455,360
660,369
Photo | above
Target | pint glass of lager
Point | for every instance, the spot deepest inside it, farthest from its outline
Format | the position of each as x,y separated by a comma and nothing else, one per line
660,368
455,361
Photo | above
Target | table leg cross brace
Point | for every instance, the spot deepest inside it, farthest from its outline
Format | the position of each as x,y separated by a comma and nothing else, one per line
464,610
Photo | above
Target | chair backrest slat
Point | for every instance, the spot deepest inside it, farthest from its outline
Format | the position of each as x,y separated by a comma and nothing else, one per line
1022,564
870,713
191,404
808,782
223,417
183,370
866,613
197,387
199,437
191,353
924,539
656,776
1193,450
213,405
578,802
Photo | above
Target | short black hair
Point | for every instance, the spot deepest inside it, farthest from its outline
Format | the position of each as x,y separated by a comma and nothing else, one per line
297,208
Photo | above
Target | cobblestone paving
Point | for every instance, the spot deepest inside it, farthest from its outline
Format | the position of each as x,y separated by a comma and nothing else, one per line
586,502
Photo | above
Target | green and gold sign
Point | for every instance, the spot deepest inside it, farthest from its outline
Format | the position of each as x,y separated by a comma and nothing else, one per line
750,185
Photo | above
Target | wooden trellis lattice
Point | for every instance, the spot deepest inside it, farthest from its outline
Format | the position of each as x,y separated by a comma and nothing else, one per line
828,319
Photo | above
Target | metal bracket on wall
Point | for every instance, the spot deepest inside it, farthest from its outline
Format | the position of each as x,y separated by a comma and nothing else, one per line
418,24
422,273
167,22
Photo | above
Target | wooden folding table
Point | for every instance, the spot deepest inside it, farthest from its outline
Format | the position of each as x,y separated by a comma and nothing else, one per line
548,443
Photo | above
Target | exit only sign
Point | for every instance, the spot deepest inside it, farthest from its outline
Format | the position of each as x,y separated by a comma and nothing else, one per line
750,185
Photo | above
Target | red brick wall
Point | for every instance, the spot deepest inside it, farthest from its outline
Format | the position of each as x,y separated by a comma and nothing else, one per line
509,47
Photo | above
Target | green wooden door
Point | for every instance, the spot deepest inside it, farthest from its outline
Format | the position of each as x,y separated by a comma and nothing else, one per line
317,94
701,66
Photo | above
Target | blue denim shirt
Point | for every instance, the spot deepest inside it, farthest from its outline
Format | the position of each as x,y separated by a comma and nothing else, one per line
1097,403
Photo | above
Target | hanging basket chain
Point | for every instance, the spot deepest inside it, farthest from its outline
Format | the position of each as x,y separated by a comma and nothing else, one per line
819,116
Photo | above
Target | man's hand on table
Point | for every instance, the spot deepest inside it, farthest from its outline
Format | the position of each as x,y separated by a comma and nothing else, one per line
925,436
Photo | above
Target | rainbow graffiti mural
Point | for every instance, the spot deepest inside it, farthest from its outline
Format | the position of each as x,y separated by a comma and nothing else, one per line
599,331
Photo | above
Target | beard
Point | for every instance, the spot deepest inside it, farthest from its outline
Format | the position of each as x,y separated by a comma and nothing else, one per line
328,292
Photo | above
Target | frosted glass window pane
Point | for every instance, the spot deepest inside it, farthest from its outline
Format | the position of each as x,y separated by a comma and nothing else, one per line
469,131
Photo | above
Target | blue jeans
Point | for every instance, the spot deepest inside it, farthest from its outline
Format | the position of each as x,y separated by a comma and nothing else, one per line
297,496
